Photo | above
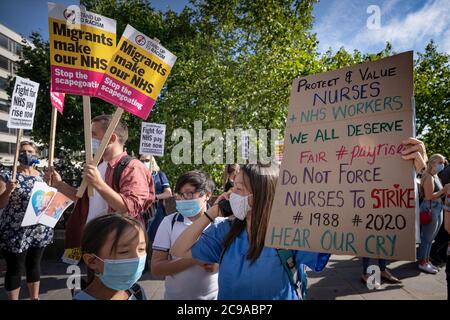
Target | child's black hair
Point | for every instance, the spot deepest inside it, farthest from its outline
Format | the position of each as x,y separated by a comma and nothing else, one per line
96,233
198,179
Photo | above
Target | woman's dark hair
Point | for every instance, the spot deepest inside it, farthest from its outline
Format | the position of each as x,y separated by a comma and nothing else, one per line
198,179
96,232
262,181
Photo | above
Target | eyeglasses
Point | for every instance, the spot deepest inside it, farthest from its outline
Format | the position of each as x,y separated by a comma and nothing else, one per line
186,195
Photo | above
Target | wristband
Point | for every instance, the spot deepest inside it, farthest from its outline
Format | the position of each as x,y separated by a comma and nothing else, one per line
209,218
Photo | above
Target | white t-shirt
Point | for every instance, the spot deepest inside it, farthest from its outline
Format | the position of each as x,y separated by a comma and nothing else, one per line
193,283
97,205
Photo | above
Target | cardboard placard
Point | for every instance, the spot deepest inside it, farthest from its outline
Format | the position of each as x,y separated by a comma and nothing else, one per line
46,206
71,256
136,73
343,186
23,104
152,139
81,45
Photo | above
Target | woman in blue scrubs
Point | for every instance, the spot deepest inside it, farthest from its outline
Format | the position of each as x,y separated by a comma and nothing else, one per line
248,269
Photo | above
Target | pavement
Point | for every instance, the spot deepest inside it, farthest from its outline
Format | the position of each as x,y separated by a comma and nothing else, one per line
339,281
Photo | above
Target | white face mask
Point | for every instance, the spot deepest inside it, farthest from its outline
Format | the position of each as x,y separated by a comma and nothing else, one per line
147,164
95,145
239,205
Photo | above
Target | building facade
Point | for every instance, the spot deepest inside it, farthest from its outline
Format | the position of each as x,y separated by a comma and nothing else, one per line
11,45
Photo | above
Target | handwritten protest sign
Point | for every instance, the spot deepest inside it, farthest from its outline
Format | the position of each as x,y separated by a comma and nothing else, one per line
136,73
23,104
81,45
152,139
343,187
46,206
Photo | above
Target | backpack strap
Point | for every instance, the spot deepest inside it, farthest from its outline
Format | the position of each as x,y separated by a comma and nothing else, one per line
221,255
288,262
136,290
118,171
177,217
224,249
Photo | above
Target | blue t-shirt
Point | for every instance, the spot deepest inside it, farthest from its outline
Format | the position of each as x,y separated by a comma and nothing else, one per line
161,182
265,279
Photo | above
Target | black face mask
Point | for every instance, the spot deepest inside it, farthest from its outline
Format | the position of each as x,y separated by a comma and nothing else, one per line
27,159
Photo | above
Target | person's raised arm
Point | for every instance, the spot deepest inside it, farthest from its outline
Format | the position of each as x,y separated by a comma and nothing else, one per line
53,178
184,243
162,265
415,150
428,188
166,194
114,200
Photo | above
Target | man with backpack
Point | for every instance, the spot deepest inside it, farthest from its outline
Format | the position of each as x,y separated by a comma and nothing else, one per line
121,183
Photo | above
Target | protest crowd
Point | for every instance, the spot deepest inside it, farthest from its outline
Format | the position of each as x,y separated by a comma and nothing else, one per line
221,242
205,250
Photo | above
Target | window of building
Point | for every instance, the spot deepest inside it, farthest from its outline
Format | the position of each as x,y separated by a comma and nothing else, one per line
4,63
18,48
4,105
3,41
3,126
4,147
14,67
3,83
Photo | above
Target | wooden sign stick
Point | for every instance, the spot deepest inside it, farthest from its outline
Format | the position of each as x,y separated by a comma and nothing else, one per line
16,155
51,144
88,134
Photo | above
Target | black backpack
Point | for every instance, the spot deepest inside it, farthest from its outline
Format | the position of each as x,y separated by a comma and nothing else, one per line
148,213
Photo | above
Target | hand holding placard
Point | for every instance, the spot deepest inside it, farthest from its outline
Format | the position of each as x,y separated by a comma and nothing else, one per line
133,79
22,111
343,186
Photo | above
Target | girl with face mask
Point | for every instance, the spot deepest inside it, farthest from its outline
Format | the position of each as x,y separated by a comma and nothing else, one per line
433,191
248,269
114,246
185,279
22,247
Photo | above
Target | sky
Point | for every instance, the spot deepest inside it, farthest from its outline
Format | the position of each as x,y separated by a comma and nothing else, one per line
408,25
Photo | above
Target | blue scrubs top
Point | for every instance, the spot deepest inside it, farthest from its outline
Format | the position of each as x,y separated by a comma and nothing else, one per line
265,279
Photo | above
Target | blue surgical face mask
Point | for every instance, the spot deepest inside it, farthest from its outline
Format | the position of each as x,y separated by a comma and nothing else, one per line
439,167
188,208
27,159
122,274
95,145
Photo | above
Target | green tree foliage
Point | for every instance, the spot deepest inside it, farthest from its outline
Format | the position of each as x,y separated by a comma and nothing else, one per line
235,64
432,94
